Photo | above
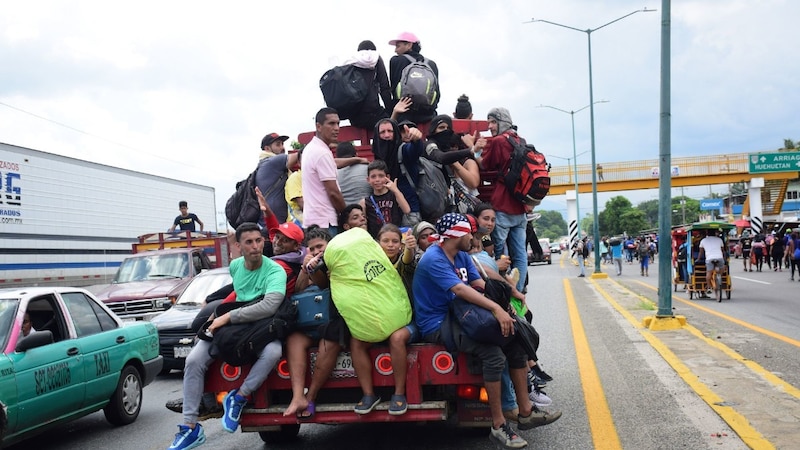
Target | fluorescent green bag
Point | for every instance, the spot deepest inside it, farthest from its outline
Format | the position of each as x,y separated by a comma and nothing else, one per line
365,287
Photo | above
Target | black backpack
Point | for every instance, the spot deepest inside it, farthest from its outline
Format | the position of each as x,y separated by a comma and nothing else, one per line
239,344
344,89
682,253
242,206
431,187
528,176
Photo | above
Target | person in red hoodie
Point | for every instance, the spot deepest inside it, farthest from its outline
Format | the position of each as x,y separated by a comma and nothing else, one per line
509,233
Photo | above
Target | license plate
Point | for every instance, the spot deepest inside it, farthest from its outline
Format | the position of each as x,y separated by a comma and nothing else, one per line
344,366
181,352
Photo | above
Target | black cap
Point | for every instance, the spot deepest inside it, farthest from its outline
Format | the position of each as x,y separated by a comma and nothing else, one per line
272,137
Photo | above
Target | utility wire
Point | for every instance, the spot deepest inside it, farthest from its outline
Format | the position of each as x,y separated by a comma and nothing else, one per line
95,135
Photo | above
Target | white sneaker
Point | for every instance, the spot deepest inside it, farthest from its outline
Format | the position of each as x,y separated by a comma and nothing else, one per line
540,399
507,437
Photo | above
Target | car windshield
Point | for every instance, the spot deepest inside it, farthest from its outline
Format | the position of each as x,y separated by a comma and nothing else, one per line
153,267
202,286
8,309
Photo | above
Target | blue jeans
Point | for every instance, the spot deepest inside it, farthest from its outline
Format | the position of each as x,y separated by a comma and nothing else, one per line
509,237
508,397
195,371
581,264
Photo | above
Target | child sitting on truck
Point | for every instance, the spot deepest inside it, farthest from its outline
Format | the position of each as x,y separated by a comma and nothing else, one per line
374,303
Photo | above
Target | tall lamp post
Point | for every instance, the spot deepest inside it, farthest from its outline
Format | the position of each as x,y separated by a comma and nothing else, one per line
589,31
574,158
574,166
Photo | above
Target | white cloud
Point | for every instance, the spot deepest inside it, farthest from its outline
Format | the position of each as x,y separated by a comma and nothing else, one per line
193,86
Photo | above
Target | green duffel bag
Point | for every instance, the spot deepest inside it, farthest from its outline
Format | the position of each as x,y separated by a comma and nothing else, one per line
365,287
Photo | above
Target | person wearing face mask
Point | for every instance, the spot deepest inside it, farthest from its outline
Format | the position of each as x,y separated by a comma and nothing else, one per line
388,137
463,174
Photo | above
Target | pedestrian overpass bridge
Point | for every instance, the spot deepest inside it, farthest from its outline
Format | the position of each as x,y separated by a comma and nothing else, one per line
686,171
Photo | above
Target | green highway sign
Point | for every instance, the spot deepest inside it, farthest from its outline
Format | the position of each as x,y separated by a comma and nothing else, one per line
774,162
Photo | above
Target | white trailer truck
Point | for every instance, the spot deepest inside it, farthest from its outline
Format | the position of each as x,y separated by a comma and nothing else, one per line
66,221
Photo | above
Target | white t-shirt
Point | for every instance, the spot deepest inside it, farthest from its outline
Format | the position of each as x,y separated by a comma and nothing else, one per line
712,246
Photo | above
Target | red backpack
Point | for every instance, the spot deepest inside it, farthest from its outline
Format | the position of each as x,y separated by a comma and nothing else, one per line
528,176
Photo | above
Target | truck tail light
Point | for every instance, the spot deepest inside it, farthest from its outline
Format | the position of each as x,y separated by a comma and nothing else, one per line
471,392
383,364
283,369
229,372
443,362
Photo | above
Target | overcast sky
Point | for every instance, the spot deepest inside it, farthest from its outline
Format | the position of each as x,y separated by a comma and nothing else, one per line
188,89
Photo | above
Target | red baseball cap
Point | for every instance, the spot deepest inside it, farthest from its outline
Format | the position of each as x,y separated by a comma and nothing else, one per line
291,231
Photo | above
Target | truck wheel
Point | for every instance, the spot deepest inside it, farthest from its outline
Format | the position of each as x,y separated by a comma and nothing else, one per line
286,433
126,402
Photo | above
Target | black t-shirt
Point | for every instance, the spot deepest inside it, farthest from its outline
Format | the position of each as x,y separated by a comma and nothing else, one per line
187,223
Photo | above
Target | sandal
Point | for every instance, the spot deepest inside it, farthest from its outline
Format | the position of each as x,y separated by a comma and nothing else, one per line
367,403
308,413
398,405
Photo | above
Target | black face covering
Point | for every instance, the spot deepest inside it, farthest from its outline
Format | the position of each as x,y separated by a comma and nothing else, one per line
443,139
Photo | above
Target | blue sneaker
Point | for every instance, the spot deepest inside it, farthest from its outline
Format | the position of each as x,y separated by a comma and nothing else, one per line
187,438
232,410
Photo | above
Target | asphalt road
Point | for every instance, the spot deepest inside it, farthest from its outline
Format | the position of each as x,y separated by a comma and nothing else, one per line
650,405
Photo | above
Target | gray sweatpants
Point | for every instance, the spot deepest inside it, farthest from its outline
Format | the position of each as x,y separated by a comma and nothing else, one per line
197,363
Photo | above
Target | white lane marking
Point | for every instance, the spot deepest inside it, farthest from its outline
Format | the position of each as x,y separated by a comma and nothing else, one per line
750,279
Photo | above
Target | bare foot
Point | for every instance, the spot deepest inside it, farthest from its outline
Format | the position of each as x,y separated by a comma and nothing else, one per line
296,405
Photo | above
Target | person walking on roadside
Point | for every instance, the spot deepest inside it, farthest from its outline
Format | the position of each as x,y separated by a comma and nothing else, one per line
582,251
776,252
616,254
793,253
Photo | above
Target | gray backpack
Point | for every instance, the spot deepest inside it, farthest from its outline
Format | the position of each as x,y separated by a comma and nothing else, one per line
419,82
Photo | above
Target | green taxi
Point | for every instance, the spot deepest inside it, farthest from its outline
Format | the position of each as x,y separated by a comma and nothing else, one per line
66,355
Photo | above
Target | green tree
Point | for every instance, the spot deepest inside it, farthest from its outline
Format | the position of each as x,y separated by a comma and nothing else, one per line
650,211
632,221
550,225
789,144
691,210
587,225
610,217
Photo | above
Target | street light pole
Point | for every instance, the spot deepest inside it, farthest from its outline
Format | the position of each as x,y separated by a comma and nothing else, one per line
595,218
575,159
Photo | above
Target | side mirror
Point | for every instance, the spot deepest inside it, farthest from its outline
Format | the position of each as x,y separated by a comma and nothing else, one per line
33,340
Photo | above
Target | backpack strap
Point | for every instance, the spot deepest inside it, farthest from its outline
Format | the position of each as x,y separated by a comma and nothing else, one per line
403,167
377,210
411,59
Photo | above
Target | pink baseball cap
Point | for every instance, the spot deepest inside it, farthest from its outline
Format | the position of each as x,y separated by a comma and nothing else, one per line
405,36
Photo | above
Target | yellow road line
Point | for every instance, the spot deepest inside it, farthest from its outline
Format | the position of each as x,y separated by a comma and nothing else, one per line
738,423
752,365
748,325
604,432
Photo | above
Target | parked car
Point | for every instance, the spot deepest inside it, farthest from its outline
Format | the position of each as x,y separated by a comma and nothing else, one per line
543,257
78,358
175,333
555,247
